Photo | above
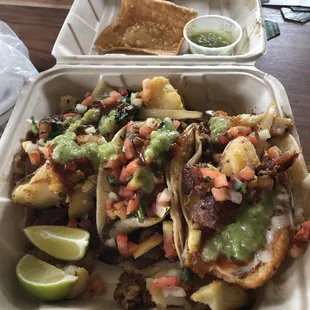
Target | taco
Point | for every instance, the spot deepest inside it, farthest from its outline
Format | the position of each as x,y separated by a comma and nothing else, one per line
138,220
237,197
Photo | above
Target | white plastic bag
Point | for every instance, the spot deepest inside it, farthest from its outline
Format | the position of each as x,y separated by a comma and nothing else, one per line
15,70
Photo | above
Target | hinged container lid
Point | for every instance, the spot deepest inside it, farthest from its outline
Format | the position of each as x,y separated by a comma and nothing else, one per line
87,18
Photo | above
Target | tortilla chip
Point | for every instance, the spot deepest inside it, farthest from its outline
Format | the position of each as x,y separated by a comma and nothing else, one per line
147,26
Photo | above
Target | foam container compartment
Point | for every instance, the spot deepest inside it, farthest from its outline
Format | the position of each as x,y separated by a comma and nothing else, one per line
87,18
235,89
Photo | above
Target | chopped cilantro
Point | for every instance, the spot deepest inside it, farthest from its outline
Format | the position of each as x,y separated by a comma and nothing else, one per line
207,179
142,210
113,181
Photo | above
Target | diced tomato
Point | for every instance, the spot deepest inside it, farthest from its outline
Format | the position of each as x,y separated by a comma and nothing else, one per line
133,204
220,194
246,174
274,152
234,132
122,244
116,163
163,198
35,158
125,193
132,247
206,172
176,123
67,115
130,151
124,176
252,138
70,166
175,149
303,233
145,131
110,101
220,181
223,139
154,289
166,281
120,209
72,223
132,166
115,94
123,91
219,112
109,204
88,101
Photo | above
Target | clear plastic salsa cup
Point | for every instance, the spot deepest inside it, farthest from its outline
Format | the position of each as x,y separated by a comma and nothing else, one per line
217,24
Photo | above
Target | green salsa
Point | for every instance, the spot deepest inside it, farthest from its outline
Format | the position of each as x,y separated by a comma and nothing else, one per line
91,116
218,126
66,149
210,39
108,124
240,240
161,140
143,178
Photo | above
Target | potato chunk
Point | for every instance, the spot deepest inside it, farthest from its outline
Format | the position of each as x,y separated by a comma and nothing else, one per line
35,190
220,295
238,154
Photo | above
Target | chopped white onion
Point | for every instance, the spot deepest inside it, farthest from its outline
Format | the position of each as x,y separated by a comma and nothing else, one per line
90,130
306,182
264,134
164,196
151,122
235,197
41,142
174,291
113,196
264,256
160,210
137,102
79,108
31,147
102,140
133,96
110,243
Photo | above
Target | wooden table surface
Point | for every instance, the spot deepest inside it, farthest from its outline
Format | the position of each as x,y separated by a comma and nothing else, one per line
287,58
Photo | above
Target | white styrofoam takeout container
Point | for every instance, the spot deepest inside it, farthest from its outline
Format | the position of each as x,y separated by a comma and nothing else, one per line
87,18
235,89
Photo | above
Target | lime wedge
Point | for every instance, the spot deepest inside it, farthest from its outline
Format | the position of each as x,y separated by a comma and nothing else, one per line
43,280
61,242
